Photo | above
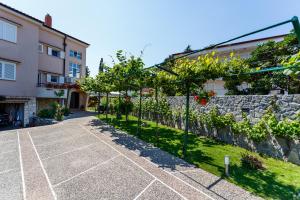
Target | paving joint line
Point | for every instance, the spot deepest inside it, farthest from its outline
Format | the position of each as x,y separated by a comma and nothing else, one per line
43,168
21,166
134,163
9,170
145,189
66,152
85,171
5,152
171,174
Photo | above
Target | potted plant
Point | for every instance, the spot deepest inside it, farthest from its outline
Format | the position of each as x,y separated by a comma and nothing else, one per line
202,96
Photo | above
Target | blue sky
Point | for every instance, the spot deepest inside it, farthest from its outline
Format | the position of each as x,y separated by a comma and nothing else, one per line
162,26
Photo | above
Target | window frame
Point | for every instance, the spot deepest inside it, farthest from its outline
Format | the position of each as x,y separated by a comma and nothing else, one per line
3,35
42,48
3,70
75,54
72,67
57,78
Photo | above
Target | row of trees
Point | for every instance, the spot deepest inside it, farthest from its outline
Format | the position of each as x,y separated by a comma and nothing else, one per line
184,76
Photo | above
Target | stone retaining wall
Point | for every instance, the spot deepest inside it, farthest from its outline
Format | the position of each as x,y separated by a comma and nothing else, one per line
255,106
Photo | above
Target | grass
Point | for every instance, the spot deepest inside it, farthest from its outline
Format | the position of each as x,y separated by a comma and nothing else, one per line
280,180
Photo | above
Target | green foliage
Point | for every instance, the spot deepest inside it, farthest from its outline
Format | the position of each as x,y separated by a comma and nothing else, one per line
66,111
122,105
194,72
280,179
292,61
266,55
46,113
56,111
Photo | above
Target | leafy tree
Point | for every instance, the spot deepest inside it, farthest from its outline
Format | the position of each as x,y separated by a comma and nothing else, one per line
188,49
87,71
100,84
127,73
272,54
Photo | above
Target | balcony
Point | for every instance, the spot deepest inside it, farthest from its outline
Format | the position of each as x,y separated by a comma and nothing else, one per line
50,90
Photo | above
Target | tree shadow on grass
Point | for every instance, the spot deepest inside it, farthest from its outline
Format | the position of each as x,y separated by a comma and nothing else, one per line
144,149
261,182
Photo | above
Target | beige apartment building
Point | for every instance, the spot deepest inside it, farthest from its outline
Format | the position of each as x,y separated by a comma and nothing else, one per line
38,65
242,49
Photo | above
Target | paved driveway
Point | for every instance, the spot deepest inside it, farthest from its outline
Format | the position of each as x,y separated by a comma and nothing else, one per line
82,159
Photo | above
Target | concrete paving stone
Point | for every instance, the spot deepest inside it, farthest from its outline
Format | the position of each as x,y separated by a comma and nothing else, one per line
159,191
11,185
9,161
60,168
213,185
186,190
41,132
9,146
117,179
8,136
64,146
54,137
35,180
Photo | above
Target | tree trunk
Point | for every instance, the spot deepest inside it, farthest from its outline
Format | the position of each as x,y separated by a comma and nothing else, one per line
99,102
156,116
126,108
106,113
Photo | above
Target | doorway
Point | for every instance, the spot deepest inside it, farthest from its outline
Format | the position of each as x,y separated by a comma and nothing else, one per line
74,103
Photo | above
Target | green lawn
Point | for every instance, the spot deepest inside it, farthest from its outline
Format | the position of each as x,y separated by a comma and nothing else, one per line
279,181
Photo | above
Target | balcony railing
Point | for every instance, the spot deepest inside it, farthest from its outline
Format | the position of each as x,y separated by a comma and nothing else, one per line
59,85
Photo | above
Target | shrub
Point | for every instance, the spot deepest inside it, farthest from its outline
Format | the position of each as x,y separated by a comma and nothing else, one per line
66,111
59,113
251,162
46,113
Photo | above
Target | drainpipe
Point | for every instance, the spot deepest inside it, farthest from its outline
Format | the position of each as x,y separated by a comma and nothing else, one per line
64,68
65,46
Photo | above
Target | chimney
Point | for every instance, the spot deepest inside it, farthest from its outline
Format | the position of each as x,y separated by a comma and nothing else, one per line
48,20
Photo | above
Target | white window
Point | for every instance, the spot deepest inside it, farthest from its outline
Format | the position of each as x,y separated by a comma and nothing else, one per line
74,70
75,54
56,53
8,31
7,70
41,48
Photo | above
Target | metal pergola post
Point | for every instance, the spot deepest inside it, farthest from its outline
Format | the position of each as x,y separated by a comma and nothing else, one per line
140,113
187,113
296,26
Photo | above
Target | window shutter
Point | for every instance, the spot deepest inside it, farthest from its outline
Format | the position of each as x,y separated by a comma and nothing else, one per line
48,78
49,51
1,70
61,79
9,71
62,55
41,48
1,29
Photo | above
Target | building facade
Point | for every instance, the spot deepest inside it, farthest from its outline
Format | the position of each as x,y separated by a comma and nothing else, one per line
242,49
38,65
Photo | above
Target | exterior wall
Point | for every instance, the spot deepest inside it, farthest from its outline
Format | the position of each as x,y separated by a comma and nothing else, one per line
29,61
43,92
44,103
72,45
29,110
26,52
46,62
83,99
